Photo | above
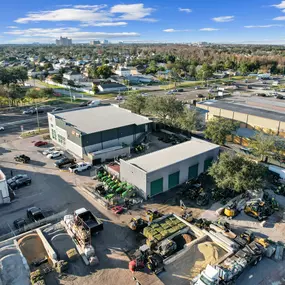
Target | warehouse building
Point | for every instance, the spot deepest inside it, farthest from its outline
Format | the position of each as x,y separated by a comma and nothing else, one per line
257,115
91,129
162,170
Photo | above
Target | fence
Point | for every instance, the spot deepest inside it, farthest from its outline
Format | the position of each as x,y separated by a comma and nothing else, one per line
51,219
70,87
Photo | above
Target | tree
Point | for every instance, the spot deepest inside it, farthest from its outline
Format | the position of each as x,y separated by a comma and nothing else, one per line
237,172
188,120
103,71
167,109
205,72
263,146
33,94
136,103
20,73
57,78
218,129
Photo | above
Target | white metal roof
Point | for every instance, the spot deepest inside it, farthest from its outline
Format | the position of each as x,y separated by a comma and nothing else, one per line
97,119
171,155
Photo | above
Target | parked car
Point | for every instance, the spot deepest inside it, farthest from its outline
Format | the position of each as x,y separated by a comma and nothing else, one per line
79,167
282,90
57,109
55,154
22,158
16,177
40,143
49,150
29,111
64,161
2,128
200,96
20,182
261,94
169,92
35,214
279,96
19,223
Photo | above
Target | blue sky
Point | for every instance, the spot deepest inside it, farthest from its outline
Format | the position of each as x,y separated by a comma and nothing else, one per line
225,21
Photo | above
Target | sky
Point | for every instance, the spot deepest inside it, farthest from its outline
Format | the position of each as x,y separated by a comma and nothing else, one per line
173,21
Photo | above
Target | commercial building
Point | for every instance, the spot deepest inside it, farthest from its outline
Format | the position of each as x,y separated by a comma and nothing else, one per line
258,114
95,42
87,130
164,169
4,192
63,42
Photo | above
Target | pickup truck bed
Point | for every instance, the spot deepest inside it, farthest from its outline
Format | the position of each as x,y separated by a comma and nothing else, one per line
91,222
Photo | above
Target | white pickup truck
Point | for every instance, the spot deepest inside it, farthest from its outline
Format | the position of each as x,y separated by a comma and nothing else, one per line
80,166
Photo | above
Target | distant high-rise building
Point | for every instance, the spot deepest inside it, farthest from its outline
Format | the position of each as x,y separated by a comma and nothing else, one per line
104,42
93,43
63,42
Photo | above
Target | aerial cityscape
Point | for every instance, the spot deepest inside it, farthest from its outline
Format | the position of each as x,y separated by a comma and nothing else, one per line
142,142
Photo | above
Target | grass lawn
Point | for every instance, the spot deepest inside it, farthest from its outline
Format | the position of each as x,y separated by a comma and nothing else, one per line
34,133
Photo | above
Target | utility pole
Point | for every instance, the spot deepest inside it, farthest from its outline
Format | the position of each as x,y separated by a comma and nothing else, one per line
38,121
70,94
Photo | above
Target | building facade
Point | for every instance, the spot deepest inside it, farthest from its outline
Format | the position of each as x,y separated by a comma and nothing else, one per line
86,130
63,42
4,192
252,118
162,170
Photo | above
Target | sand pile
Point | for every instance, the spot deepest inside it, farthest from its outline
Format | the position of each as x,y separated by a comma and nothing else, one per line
211,254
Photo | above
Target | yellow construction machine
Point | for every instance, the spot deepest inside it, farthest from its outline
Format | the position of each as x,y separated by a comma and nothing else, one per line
231,209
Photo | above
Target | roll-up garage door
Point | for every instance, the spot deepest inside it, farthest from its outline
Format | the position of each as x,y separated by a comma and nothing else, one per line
156,187
173,180
193,171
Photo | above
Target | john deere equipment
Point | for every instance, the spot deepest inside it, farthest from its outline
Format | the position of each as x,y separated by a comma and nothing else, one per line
137,224
258,209
231,209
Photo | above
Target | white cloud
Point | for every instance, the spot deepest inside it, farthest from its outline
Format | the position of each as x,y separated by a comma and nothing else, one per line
187,10
133,12
223,19
175,31
281,18
105,24
280,6
12,27
208,30
91,14
65,14
92,7
262,26
75,34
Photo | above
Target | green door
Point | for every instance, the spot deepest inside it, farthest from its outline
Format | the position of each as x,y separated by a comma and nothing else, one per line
156,187
173,180
207,163
193,171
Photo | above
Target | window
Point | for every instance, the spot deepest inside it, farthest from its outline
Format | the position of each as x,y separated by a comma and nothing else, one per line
53,134
61,139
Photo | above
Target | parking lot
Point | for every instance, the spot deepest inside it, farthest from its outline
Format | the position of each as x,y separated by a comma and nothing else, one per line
55,191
